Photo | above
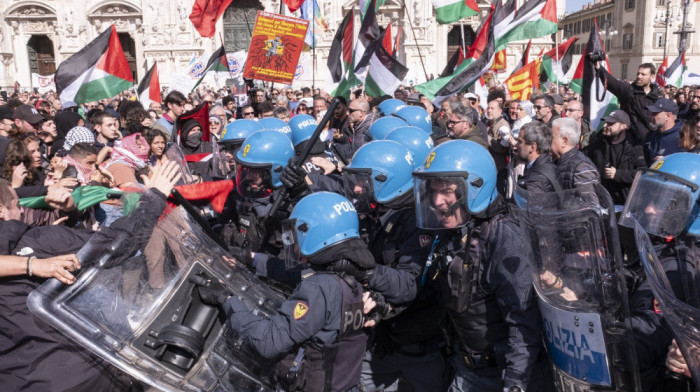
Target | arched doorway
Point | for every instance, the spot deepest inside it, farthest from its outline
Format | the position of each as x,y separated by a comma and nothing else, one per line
454,39
129,48
41,55
239,21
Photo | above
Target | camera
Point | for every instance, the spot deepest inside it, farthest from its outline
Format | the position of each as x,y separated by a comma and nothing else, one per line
596,56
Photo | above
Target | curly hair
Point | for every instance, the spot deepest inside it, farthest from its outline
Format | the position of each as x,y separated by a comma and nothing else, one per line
17,153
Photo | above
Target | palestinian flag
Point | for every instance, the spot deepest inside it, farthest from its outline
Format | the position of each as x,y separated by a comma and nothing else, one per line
457,58
397,41
149,89
209,192
478,60
97,71
368,38
385,73
387,43
449,11
218,64
674,73
660,73
555,67
536,18
340,54
588,84
499,62
522,82
523,60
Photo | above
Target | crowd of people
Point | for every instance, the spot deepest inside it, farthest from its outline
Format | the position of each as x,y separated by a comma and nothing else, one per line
410,203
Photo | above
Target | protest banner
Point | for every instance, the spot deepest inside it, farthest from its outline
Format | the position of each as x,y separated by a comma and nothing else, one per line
275,47
43,84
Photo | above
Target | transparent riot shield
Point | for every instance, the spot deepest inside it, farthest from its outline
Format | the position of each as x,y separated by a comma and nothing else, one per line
174,153
221,168
579,281
136,304
683,316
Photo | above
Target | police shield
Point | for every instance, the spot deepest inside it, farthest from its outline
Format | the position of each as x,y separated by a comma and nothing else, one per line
136,304
580,287
174,154
683,316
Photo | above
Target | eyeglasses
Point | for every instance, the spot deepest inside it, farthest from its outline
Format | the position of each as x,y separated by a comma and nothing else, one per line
249,113
451,123
538,107
351,110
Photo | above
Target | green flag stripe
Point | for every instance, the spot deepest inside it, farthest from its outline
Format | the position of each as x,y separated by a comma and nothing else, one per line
106,87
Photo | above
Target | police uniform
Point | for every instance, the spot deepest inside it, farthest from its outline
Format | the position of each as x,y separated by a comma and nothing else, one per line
324,314
652,334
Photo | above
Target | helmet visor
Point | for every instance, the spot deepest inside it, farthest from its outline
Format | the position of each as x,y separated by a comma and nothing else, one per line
359,189
253,181
291,253
661,204
441,201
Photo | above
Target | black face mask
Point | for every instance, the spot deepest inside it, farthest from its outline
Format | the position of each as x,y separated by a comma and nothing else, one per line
194,139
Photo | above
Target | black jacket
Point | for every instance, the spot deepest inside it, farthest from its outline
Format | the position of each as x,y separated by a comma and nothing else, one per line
535,178
626,164
634,101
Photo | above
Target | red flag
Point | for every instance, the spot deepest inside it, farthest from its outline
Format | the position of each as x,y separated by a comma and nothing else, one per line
499,62
293,5
660,80
386,41
215,192
205,13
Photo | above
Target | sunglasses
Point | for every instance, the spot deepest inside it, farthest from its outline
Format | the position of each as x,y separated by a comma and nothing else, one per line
351,110
249,113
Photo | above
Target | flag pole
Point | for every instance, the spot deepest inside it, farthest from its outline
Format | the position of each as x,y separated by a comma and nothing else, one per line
461,28
410,24
313,49
556,43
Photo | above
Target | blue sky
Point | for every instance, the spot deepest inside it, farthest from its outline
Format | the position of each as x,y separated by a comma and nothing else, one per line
575,5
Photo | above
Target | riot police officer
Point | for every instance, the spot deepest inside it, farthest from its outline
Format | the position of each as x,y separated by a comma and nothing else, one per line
260,161
478,265
663,201
408,343
303,127
319,328
233,136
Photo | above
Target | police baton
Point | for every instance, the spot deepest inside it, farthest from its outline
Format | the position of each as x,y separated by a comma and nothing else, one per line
281,193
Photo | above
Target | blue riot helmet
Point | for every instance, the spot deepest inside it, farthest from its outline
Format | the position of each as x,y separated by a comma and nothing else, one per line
390,106
303,127
415,140
239,130
417,117
380,172
317,222
457,179
664,198
380,128
276,124
260,161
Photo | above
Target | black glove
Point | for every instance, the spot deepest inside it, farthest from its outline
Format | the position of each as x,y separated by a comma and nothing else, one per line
381,309
294,179
212,292
243,255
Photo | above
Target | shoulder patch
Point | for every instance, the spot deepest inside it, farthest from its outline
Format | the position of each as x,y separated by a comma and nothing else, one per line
300,310
657,165
424,240
655,305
